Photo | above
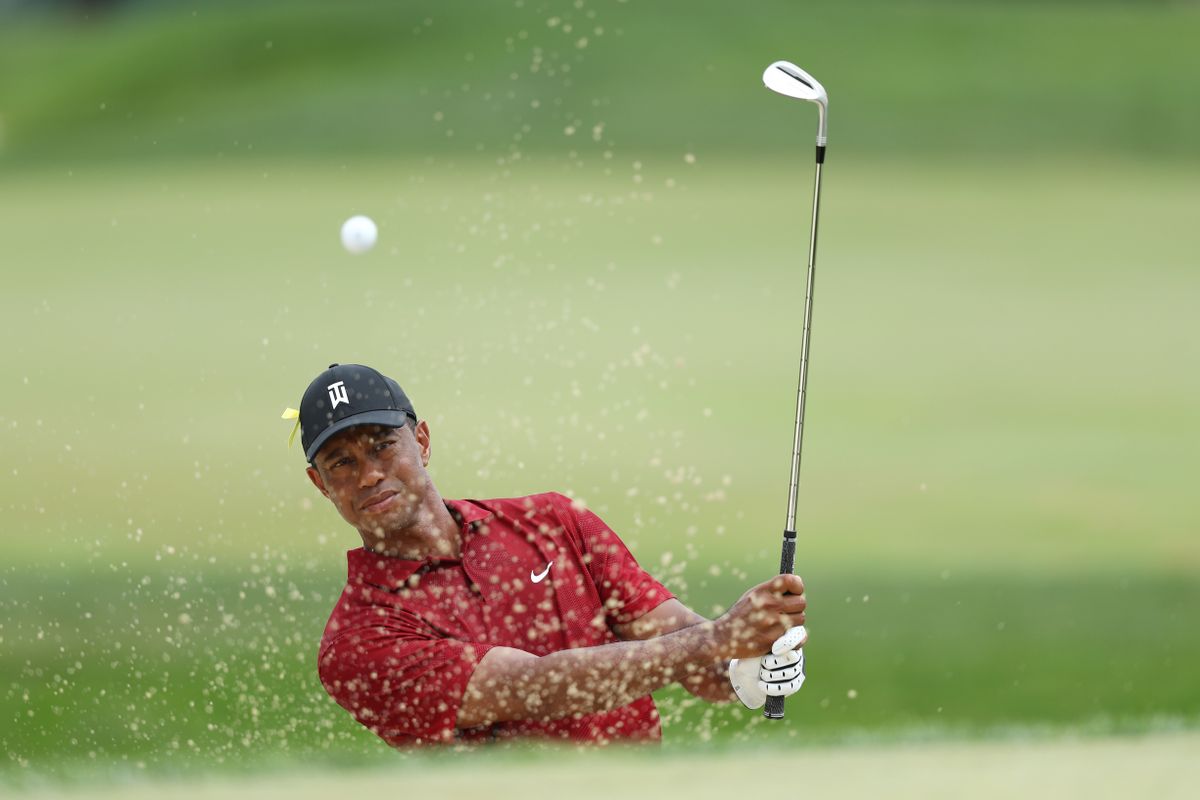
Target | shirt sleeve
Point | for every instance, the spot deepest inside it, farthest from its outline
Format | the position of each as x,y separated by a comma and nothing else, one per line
626,590
405,687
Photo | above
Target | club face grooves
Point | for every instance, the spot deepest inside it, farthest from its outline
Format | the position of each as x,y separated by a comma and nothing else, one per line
793,75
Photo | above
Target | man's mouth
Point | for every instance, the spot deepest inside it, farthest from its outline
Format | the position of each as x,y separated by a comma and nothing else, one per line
379,502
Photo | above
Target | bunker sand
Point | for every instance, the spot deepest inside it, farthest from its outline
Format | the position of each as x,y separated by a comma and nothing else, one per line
1159,766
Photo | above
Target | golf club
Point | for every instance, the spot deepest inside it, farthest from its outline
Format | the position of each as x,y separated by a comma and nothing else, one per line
789,80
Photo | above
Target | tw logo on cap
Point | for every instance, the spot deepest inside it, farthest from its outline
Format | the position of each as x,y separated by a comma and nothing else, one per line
337,394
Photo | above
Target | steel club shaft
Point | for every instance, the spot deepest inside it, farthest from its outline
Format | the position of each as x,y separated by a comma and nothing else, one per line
789,80
775,705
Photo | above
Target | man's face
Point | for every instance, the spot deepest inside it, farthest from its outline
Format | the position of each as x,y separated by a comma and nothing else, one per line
375,476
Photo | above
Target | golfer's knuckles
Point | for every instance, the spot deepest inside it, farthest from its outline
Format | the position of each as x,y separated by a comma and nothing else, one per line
763,614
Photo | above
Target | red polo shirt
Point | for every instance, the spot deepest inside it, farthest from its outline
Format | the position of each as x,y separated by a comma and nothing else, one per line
537,573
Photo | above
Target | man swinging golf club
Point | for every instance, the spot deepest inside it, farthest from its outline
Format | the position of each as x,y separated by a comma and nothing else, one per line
481,620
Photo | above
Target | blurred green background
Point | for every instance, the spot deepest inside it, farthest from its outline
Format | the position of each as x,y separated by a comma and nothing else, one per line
593,222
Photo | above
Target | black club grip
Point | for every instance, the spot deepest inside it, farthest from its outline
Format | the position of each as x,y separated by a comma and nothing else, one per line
787,563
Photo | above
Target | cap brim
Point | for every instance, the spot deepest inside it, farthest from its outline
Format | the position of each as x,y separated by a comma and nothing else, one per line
389,417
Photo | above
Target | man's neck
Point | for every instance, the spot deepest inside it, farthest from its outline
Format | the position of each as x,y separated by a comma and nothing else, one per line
434,533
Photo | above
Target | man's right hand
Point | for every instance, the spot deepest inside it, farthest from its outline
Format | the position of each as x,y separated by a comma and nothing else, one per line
760,617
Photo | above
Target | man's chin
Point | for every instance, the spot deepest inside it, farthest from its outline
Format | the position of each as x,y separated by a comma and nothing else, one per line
379,527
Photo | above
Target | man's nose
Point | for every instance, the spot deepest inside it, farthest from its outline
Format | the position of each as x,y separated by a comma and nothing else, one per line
372,473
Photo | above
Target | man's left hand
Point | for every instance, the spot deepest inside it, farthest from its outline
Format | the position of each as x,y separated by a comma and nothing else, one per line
780,673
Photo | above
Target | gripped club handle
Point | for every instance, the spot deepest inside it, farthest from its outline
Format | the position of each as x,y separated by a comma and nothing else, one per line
787,562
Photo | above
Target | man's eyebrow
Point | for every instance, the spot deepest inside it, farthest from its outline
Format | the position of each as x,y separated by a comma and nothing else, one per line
332,454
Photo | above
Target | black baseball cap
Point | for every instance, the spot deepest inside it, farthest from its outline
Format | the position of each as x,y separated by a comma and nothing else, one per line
346,395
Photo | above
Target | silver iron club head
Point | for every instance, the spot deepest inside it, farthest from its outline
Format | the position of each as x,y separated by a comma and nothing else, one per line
789,80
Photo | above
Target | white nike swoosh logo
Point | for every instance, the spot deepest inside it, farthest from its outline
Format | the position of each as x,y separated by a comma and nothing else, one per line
538,577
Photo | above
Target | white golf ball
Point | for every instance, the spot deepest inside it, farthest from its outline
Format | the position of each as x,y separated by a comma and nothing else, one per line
358,234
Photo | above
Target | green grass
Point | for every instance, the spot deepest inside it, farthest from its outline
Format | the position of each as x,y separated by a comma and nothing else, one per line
301,78
187,668
996,513
996,528
980,397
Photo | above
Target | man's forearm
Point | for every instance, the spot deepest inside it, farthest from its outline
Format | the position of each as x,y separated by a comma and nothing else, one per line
590,679
711,684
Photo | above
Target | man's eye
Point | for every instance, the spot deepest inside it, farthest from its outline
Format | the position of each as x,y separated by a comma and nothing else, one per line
385,443
341,462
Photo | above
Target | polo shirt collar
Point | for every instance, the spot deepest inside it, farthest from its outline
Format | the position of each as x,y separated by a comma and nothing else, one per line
466,511
365,566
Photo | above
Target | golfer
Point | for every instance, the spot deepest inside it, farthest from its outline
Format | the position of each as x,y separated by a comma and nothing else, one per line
483,620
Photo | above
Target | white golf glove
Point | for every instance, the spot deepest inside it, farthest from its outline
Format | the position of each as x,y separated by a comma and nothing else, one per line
780,673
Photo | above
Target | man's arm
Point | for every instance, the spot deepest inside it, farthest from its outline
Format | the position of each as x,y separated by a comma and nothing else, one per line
709,683
511,684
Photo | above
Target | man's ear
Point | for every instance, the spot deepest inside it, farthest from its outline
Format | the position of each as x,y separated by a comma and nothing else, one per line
421,432
315,477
